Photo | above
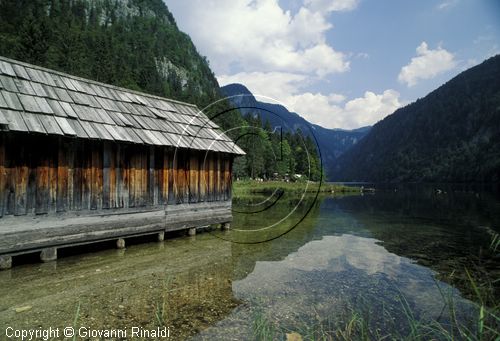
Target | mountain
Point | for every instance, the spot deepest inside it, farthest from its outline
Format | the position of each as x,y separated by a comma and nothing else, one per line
450,135
332,142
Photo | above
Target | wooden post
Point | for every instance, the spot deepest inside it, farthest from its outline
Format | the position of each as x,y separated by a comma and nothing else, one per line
48,255
120,243
161,236
192,231
5,262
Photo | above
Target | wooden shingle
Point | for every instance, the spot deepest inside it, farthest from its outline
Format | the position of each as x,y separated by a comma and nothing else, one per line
38,100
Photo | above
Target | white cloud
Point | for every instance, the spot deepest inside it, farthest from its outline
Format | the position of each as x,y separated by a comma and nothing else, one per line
428,64
447,4
362,55
331,5
323,109
246,35
275,85
278,54
355,113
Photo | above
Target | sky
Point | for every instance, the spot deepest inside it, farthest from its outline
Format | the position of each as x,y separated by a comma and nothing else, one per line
341,63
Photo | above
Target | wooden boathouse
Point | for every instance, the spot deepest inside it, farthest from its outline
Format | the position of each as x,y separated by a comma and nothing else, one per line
82,161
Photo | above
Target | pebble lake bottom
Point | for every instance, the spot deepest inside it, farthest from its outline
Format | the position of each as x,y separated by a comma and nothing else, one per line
380,255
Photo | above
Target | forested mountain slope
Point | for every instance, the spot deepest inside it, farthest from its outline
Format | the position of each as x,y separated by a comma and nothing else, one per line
451,135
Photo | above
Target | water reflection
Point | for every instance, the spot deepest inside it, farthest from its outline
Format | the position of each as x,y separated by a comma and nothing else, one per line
367,252
349,252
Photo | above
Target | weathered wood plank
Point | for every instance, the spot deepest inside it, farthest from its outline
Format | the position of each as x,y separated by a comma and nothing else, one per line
165,176
228,179
203,177
138,178
70,162
151,185
181,177
119,177
144,177
21,180
31,190
78,174
86,176
53,151
105,175
2,175
175,177
193,178
62,177
211,177
159,183
32,165
230,182
42,182
112,178
223,178
132,178
218,178
171,178
96,182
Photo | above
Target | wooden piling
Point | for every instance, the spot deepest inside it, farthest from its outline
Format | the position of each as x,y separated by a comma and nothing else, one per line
48,254
5,262
120,243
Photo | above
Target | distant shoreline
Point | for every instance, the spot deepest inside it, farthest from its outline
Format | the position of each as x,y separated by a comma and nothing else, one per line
246,187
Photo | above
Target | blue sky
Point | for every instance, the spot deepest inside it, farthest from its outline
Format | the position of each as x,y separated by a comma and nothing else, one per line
341,63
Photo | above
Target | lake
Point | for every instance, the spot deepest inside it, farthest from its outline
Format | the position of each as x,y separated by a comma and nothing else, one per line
313,265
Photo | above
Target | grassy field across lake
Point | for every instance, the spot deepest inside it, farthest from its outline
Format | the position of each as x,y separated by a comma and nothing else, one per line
246,187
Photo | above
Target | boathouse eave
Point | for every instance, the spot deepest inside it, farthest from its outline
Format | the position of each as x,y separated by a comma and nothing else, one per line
39,100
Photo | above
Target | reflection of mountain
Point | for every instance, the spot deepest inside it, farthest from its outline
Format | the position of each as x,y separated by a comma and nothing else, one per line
340,253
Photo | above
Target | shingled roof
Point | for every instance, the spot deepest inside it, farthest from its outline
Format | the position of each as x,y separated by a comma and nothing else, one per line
43,101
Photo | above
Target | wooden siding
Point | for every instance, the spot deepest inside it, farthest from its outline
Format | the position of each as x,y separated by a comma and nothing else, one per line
46,174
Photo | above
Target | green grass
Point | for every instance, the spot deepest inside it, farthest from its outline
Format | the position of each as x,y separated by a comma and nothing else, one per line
248,187
75,320
162,308
262,328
